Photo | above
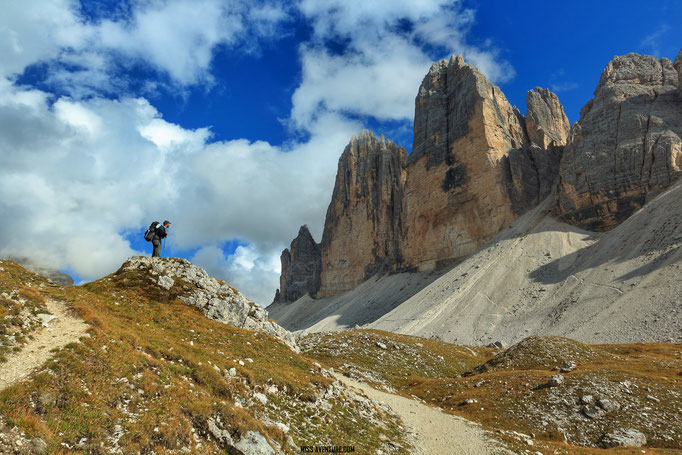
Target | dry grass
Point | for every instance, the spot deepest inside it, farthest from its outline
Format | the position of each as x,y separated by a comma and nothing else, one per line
154,371
509,386
20,301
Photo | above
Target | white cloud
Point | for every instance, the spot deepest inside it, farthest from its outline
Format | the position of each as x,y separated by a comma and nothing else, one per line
652,42
79,172
176,37
35,30
384,56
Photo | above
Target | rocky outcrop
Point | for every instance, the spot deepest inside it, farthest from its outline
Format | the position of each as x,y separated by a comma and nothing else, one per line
678,67
219,301
361,230
301,265
473,167
626,146
546,122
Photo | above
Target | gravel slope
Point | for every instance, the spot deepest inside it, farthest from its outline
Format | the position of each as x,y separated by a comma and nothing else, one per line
541,276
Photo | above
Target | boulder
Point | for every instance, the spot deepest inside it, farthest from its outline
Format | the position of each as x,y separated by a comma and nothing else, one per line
623,437
555,381
253,443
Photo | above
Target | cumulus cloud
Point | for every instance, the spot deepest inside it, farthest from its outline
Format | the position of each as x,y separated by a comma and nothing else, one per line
81,172
368,58
78,174
178,38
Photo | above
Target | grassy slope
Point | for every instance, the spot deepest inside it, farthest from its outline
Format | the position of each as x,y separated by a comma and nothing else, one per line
20,302
153,372
509,391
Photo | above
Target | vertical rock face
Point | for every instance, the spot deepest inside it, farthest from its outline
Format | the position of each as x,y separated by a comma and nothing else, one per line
626,146
678,67
476,165
471,171
546,122
300,268
364,218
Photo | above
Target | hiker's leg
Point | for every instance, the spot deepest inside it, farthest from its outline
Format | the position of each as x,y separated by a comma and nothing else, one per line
157,248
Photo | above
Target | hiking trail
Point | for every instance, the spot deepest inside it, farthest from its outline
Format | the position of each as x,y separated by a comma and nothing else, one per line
433,431
59,332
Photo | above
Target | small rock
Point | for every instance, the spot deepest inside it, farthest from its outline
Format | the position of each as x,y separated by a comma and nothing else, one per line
496,344
470,401
608,405
261,397
623,437
381,345
166,282
555,381
592,412
479,384
232,372
39,446
254,443
653,398
45,319
568,366
587,399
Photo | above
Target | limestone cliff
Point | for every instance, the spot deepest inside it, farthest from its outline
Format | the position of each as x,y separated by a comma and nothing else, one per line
546,122
474,168
361,230
300,268
477,163
626,146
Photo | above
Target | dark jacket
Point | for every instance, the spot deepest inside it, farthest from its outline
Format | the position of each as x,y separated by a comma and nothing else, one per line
160,232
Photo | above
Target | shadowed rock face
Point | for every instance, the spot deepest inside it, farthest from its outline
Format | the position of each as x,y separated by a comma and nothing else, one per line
678,67
361,230
626,146
300,268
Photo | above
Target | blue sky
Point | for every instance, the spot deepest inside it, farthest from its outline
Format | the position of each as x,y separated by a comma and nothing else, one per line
228,117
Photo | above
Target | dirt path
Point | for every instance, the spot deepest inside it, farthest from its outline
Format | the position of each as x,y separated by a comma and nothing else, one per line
433,431
60,331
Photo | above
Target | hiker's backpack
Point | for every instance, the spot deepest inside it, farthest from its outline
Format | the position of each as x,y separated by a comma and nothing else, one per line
149,233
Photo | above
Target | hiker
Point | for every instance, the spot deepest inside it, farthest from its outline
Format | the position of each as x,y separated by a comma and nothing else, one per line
155,233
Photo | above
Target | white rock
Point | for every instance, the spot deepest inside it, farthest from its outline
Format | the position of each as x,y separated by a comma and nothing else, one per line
166,282
260,397
625,437
254,443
